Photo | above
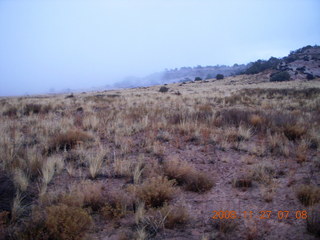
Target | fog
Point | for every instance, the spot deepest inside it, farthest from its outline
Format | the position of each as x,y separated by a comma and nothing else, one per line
54,45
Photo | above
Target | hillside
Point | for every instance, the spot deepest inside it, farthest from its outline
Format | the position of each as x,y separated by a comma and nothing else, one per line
218,159
300,64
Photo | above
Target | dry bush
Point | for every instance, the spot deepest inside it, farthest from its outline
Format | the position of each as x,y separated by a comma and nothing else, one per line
92,194
4,220
178,170
165,217
313,221
175,216
301,151
72,199
65,222
263,172
233,116
203,113
56,222
239,134
10,112
7,192
224,225
278,144
252,231
117,204
156,191
269,191
31,108
308,195
67,140
256,120
295,131
199,182
187,176
242,182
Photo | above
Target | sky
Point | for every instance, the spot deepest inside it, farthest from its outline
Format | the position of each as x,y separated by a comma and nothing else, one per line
52,45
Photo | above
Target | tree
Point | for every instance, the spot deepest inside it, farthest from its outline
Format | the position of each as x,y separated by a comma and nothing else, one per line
197,78
280,77
219,76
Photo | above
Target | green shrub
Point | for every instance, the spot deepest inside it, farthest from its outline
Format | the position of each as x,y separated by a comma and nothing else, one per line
163,89
219,76
280,77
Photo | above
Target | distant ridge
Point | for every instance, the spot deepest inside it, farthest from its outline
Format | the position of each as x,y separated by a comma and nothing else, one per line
303,63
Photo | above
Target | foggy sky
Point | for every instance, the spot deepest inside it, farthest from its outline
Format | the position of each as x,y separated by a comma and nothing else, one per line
59,44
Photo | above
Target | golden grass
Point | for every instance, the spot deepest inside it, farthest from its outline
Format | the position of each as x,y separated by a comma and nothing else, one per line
89,140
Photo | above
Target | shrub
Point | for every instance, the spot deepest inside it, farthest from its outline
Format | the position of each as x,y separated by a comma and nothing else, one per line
224,225
156,191
197,78
32,108
117,205
308,194
67,140
293,132
233,116
198,182
242,182
187,176
165,217
10,112
67,223
261,65
313,221
7,192
310,76
280,77
174,216
163,89
219,76
59,222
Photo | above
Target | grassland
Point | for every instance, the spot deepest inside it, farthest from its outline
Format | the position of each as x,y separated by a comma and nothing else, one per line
142,164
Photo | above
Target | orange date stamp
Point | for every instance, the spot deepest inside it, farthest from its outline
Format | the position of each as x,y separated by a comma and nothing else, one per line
260,215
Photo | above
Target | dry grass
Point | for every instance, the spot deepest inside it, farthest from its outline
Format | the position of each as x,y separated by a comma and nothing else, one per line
263,172
95,160
109,154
